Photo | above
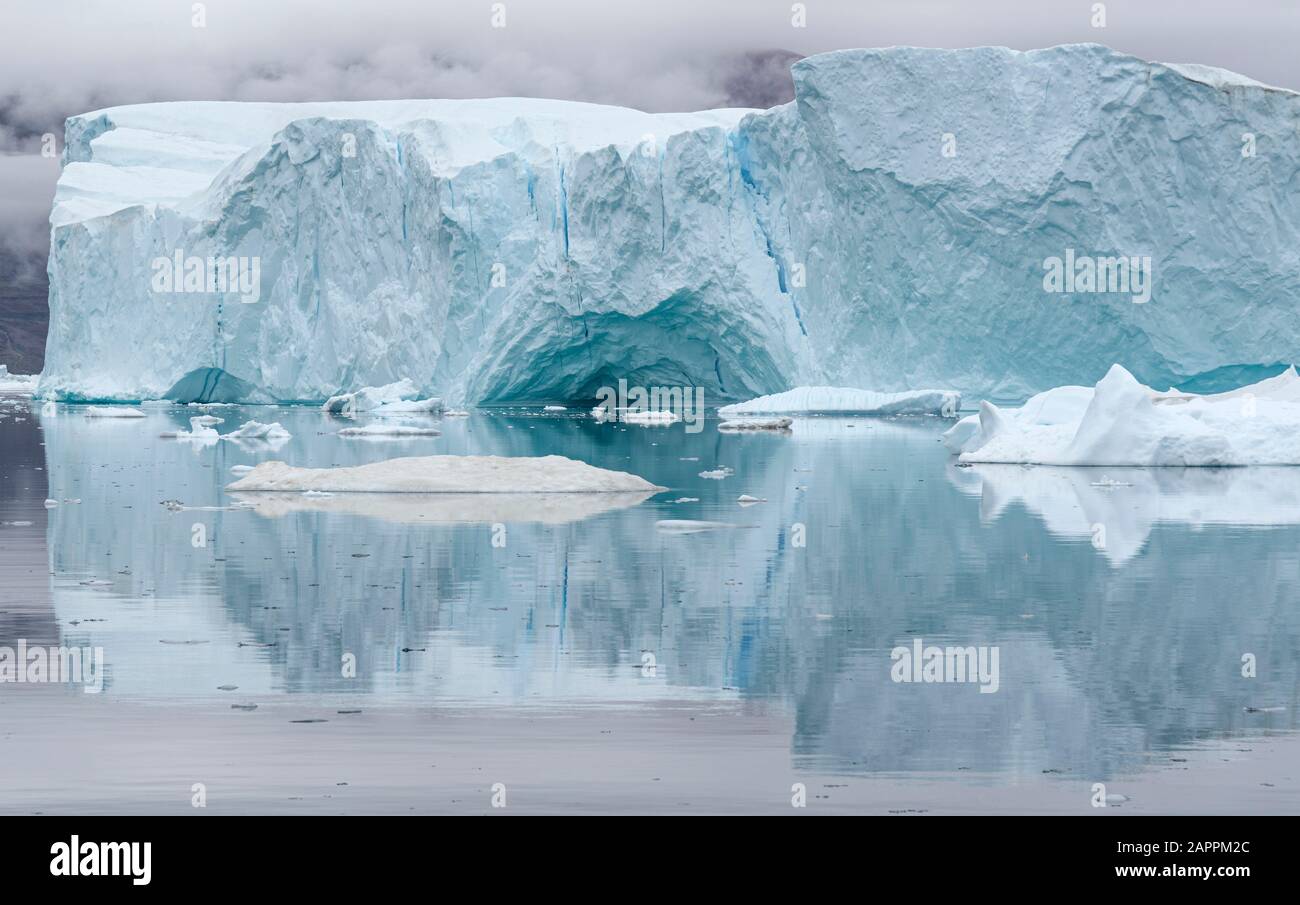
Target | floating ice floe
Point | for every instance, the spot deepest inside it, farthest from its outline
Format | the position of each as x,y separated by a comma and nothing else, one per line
1120,422
399,398
17,384
847,401
373,431
112,411
717,474
756,424
746,500
198,433
447,474
649,419
555,408
209,420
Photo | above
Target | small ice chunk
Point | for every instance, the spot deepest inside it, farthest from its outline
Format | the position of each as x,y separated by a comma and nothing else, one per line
717,474
647,419
555,408
256,430
240,469
746,500
50,504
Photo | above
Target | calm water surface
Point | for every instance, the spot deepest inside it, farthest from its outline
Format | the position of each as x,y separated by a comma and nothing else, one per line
1122,602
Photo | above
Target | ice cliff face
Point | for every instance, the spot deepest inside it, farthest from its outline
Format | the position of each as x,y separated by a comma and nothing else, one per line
886,230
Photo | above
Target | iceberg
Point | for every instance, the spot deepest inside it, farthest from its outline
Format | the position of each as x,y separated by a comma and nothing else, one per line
848,401
447,474
399,398
252,430
1120,422
886,229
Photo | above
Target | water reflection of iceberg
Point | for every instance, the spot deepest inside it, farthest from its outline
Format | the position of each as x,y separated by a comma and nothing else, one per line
1116,508
447,508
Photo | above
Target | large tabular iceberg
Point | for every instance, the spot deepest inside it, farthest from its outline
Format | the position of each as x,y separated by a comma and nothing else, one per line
889,228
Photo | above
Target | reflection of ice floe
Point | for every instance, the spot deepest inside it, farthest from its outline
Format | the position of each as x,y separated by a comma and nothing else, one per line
447,508
448,474
781,425
388,431
1117,512
1121,422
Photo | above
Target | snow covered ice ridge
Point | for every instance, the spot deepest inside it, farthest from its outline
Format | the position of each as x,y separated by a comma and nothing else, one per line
749,251
1121,422
848,401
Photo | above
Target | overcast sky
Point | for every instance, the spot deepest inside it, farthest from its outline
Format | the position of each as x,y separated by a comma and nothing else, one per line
62,57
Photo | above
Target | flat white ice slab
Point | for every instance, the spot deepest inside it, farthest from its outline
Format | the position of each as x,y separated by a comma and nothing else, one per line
847,401
447,474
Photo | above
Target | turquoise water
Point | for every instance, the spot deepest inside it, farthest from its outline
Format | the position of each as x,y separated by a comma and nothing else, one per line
1109,652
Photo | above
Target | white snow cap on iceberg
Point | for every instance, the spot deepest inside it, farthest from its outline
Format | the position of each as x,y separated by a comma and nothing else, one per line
401,397
848,401
446,474
1122,422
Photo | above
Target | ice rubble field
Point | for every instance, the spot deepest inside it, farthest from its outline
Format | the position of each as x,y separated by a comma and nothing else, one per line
516,250
1121,422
